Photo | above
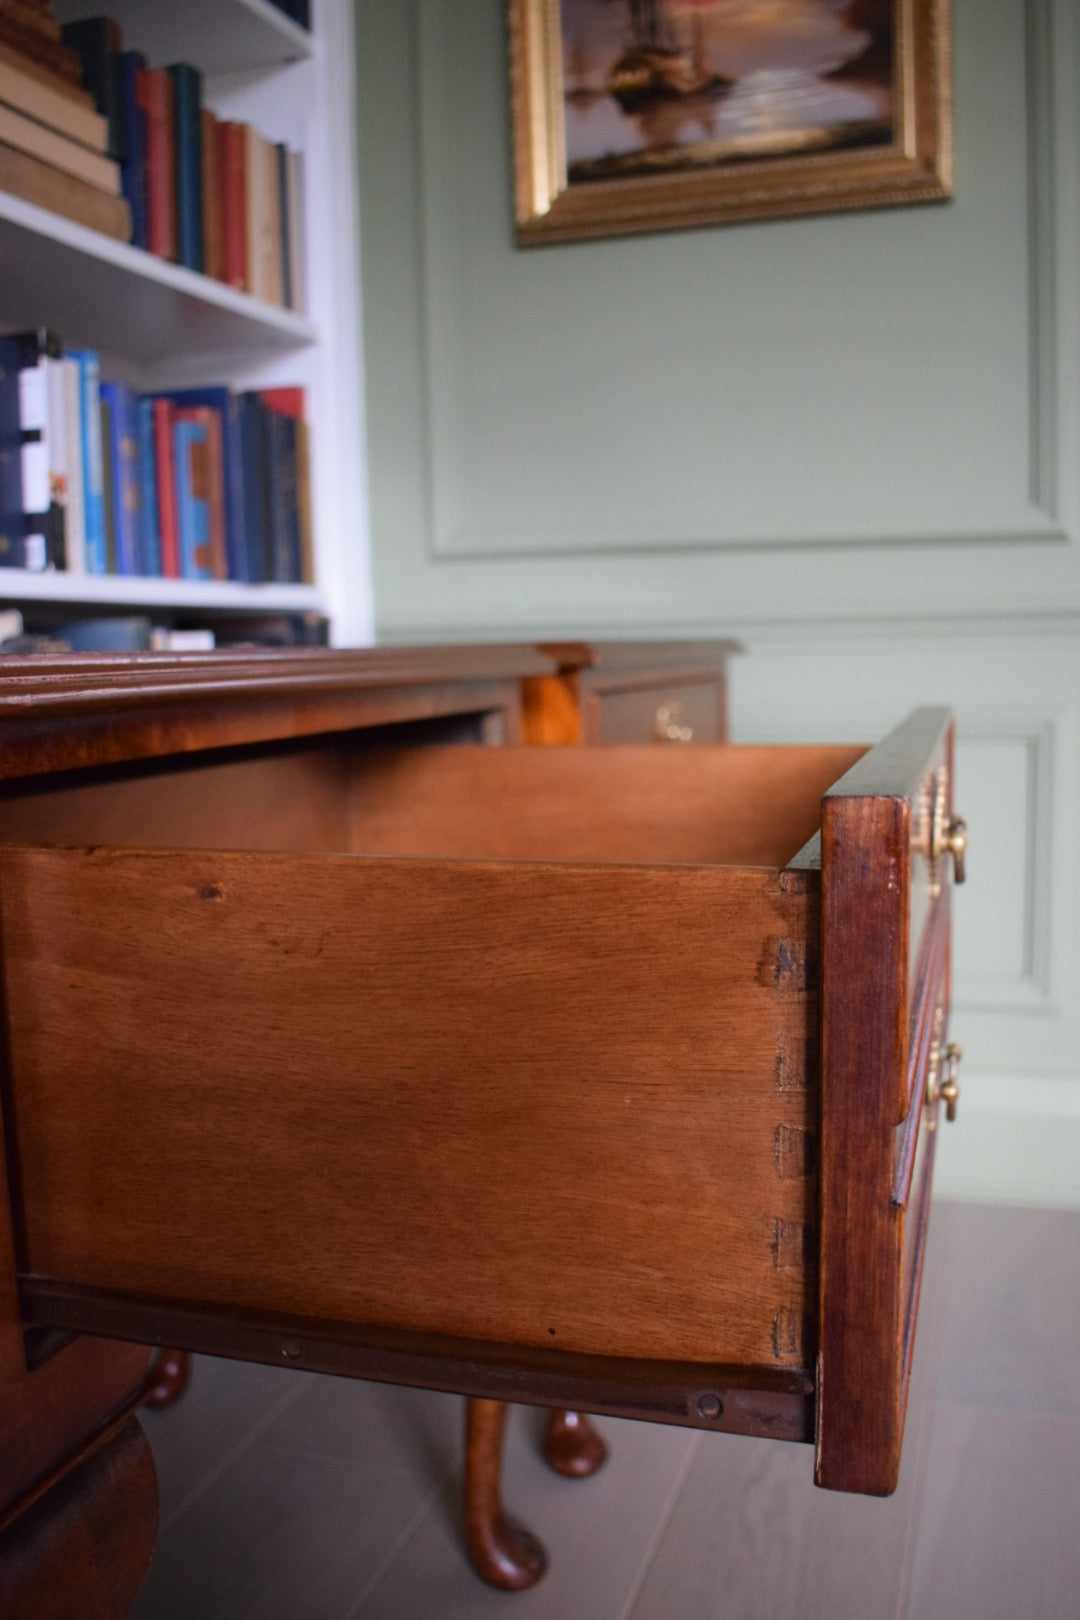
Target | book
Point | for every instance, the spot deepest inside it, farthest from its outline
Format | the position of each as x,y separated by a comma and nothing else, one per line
96,553
187,163
53,106
303,503
43,518
295,232
26,135
234,211
128,66
192,458
149,508
108,479
123,461
11,502
155,93
96,43
75,515
274,241
57,451
281,160
262,244
32,18
46,187
225,406
165,469
213,220
253,454
56,60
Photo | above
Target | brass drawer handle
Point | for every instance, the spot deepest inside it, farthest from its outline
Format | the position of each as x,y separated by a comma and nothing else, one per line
936,833
668,727
943,1071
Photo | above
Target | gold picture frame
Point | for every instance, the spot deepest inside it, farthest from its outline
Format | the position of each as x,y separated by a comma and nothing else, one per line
649,115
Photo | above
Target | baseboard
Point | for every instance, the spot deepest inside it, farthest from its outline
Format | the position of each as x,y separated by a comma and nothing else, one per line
1015,1141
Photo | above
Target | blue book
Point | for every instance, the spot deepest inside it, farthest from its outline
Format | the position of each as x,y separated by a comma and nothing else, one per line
191,454
11,501
133,121
226,404
187,103
97,554
124,463
151,524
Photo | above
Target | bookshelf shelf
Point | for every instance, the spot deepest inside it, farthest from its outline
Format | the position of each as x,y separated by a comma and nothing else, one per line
218,36
131,594
107,295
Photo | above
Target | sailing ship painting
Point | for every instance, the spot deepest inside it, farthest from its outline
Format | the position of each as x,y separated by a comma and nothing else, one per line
661,86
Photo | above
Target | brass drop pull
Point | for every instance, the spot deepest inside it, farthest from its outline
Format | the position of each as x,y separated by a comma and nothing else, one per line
936,834
956,843
668,727
950,1086
942,1070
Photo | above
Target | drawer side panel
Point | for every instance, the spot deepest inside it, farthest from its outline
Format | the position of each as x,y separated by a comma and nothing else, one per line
566,1106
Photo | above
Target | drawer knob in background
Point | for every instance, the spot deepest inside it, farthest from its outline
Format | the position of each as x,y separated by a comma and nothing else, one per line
668,726
950,1086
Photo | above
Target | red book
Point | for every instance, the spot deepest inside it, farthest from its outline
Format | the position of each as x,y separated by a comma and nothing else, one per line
155,95
166,488
286,401
234,204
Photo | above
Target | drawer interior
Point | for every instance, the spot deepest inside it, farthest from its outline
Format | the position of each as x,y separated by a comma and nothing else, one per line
531,1061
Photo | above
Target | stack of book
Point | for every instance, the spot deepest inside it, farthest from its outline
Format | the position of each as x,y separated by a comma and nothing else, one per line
195,483
54,145
215,196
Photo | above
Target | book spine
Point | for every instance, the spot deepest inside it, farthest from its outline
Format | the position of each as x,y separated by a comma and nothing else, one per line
108,484
57,453
149,506
39,183
251,439
303,503
92,461
213,220
234,204
155,94
96,43
215,493
53,106
235,525
123,458
133,169
165,460
43,520
259,219
59,151
11,501
295,204
187,161
274,241
285,251
55,62
75,524
192,494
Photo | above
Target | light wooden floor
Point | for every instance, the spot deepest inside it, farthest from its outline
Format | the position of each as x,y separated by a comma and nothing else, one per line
290,1497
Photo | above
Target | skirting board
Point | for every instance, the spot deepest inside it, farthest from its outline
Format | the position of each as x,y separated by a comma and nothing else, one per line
1015,1141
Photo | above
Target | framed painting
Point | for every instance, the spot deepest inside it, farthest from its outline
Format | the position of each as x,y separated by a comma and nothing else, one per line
644,115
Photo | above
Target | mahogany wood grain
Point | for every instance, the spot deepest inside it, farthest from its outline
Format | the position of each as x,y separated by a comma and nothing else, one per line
77,710
873,894
572,1446
502,1551
737,805
80,1551
578,1065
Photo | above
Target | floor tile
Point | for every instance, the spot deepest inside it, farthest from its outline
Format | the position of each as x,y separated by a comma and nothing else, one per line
997,1535
598,1533
281,1537
1014,1309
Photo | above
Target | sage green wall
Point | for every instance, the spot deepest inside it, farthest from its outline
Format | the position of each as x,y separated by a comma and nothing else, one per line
850,440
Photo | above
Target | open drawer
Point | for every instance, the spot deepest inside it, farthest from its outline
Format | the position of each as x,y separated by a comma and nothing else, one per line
588,1076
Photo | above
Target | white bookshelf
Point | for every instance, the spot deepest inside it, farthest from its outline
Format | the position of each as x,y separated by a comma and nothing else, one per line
157,324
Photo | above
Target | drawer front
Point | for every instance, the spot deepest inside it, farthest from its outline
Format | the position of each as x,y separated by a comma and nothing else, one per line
885,903
674,712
